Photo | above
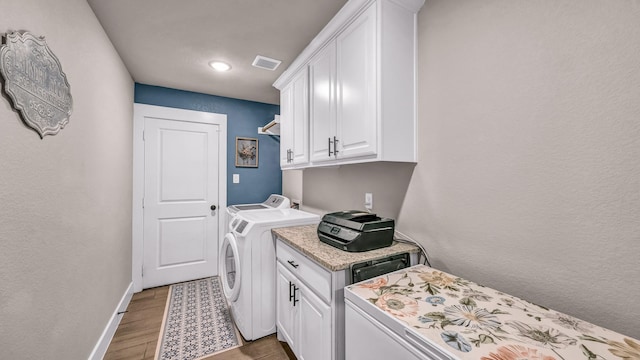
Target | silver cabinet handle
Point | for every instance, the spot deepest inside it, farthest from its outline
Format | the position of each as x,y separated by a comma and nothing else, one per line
329,146
335,146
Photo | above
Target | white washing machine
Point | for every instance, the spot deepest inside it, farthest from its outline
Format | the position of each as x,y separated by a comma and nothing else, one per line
248,267
274,201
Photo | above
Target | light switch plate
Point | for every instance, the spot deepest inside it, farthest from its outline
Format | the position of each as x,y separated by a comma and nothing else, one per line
368,201
236,178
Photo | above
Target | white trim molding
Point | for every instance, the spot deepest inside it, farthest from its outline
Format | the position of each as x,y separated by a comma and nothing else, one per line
107,334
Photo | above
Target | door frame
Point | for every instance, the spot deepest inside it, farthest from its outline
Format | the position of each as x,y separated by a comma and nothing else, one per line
140,111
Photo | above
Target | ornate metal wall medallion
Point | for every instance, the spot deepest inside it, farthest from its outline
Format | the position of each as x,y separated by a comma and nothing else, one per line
34,81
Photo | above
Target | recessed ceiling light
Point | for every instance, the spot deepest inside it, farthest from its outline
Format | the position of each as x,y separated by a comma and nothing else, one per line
220,66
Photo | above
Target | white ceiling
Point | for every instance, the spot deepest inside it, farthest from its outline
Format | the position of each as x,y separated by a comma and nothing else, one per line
170,43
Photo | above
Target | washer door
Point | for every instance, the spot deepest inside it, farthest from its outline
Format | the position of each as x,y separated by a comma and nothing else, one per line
230,271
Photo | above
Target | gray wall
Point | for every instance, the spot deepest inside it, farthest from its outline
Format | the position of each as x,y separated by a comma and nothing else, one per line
528,178
65,200
343,187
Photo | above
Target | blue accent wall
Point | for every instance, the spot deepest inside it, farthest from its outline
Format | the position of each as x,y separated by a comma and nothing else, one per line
243,119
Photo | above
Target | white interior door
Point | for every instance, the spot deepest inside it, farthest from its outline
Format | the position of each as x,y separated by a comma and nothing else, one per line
181,225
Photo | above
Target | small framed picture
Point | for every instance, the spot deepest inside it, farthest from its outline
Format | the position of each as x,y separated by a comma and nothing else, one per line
246,152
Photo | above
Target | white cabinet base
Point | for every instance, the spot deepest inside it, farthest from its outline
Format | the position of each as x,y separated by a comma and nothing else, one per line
310,306
315,327
366,338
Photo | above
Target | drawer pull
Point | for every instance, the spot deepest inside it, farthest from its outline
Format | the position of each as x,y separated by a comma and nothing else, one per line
292,263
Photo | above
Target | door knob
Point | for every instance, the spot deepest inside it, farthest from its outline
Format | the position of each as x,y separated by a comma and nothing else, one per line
213,207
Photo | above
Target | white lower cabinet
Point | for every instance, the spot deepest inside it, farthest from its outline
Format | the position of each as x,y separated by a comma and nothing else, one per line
368,339
285,310
310,306
304,321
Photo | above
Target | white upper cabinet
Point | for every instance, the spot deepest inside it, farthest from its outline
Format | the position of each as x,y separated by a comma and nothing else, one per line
322,83
294,122
356,87
361,86
300,151
286,126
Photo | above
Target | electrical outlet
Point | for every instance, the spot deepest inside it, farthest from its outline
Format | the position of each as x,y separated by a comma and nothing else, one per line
368,201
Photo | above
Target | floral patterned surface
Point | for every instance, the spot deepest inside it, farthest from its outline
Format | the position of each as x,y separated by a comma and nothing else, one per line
475,322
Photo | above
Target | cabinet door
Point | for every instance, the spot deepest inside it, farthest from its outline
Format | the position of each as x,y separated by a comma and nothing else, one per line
314,316
286,312
300,138
322,115
286,126
357,87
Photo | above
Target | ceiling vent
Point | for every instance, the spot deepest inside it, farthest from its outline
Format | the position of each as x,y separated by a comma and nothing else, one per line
266,63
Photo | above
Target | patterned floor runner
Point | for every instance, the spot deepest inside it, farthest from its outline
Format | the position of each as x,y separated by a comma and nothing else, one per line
197,322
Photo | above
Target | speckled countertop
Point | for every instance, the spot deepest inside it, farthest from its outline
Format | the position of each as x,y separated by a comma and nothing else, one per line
305,239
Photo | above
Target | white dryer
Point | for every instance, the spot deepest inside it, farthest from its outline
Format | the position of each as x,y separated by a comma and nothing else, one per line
274,201
248,267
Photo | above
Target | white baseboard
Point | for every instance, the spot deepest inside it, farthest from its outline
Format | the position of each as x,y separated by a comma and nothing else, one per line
105,339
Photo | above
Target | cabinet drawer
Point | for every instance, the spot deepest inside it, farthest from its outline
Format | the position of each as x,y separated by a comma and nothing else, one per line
311,274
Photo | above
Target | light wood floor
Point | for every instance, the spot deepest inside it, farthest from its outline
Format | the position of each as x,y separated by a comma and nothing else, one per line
137,335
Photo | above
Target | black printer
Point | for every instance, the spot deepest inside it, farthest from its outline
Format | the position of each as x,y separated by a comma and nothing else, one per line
356,230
